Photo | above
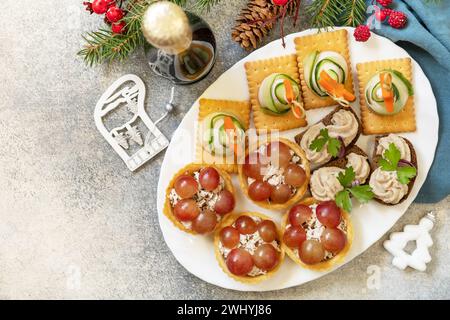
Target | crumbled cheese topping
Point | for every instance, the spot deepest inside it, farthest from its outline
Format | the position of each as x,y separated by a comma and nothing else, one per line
274,175
314,230
205,199
250,242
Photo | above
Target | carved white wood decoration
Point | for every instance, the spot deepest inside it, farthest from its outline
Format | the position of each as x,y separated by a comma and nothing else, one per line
129,92
420,233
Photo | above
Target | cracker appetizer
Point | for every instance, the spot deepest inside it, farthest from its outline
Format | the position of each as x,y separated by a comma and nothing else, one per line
248,247
386,96
394,169
221,132
325,70
340,178
198,197
275,175
317,235
329,137
275,93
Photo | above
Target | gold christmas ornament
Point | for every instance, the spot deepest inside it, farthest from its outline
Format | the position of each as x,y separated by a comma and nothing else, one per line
166,26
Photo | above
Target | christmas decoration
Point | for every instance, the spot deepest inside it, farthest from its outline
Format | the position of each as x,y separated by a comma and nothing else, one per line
249,33
387,12
118,27
100,6
259,17
397,19
105,45
385,3
362,33
381,15
129,92
397,242
114,14
184,54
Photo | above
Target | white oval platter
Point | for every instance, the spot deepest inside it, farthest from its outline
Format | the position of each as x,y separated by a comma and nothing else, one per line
371,221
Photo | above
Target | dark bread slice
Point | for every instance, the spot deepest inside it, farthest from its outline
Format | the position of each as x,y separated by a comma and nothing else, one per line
327,121
342,162
376,158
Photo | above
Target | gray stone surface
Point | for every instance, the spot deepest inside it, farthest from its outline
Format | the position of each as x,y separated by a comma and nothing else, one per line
75,223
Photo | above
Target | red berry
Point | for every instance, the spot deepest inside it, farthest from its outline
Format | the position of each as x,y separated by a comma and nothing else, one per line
118,27
397,19
362,33
100,6
114,14
381,15
279,2
385,3
387,11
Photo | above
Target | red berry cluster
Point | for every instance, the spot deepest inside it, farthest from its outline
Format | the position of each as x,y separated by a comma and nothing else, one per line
112,11
396,19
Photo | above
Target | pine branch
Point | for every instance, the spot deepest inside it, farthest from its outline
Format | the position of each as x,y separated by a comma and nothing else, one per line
354,13
324,13
104,45
329,13
204,4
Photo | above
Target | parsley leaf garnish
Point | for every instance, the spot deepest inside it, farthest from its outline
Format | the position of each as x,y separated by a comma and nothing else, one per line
343,200
346,178
389,162
405,174
363,193
322,139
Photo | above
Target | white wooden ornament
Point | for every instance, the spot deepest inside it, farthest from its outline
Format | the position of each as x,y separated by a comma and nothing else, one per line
129,92
420,233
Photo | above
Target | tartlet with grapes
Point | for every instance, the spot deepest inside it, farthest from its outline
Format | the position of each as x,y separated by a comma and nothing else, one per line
198,197
248,247
317,235
275,175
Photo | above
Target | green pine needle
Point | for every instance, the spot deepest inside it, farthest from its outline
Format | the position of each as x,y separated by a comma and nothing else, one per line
324,13
203,5
329,13
354,13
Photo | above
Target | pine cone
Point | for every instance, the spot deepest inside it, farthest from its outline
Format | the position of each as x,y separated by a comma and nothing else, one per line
254,23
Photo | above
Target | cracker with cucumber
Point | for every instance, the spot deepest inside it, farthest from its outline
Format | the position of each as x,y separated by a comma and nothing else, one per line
386,96
222,125
275,94
325,69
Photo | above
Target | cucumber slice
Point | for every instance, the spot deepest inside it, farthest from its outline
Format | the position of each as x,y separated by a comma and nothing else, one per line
280,92
215,136
405,81
333,75
375,93
376,102
265,93
308,66
331,62
272,93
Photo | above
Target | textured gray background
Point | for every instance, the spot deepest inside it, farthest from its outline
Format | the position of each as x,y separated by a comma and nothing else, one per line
75,223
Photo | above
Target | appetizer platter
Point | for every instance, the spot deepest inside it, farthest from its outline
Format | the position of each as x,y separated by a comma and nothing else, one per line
356,130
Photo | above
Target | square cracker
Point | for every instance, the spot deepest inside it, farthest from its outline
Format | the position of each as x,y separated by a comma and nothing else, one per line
405,120
336,41
257,71
241,109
